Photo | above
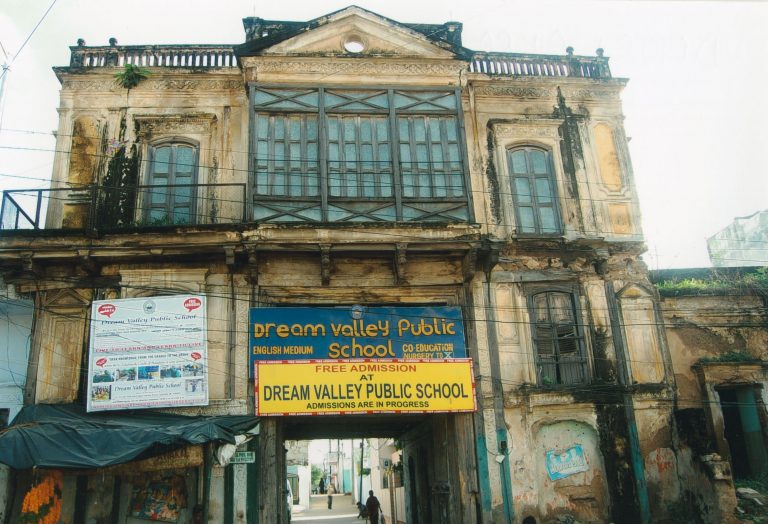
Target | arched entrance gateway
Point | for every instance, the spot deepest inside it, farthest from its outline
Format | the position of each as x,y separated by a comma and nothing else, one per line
404,379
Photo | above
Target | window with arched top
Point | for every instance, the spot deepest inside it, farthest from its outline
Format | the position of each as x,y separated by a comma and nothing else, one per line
534,192
558,338
172,180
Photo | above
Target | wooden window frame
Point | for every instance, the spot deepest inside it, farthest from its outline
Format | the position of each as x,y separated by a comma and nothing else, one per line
581,360
145,202
531,177
368,102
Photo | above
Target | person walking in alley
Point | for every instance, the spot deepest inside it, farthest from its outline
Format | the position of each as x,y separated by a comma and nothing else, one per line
373,506
330,491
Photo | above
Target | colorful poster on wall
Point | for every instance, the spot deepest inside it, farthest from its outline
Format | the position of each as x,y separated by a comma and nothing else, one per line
330,387
159,500
309,333
562,464
148,353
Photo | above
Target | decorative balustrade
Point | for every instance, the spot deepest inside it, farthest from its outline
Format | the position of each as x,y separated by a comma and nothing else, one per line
516,64
184,56
223,56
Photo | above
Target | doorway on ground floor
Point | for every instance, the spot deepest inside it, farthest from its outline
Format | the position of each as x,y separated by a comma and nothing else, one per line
411,462
744,431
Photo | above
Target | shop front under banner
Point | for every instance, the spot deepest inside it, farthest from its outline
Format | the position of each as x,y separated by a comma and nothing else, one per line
148,353
381,386
310,333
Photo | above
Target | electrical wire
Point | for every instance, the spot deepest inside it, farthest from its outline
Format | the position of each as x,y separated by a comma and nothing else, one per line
29,37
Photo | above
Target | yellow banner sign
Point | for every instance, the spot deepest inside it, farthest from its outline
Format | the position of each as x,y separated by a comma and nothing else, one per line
325,387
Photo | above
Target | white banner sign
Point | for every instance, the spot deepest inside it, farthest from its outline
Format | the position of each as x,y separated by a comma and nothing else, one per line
148,353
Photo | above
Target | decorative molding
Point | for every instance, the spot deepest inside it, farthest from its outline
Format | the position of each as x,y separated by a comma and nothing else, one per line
515,91
587,94
325,264
401,258
170,84
548,129
175,84
356,67
176,124
91,85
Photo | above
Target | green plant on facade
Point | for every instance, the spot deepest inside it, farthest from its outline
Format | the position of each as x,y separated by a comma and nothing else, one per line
753,282
730,356
131,76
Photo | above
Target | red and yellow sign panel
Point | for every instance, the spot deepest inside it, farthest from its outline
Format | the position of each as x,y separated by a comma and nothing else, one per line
324,387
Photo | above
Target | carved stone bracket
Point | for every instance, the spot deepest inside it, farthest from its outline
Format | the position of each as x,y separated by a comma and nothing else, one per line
252,273
229,255
469,264
401,257
325,263
26,260
89,264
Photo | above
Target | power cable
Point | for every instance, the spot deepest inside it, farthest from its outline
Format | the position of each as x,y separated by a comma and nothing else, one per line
28,38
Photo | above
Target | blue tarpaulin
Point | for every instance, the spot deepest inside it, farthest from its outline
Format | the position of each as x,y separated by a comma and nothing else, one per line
65,436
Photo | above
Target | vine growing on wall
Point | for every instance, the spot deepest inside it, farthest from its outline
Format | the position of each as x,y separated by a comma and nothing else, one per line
117,199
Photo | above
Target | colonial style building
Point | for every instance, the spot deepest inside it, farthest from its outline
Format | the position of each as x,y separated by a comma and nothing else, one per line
353,160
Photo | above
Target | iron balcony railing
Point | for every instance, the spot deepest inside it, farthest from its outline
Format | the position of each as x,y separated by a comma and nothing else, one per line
92,208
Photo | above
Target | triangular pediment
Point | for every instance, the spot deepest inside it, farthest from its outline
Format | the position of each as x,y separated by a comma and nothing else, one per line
357,32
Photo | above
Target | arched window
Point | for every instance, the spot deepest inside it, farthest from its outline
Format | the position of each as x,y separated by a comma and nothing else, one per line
533,191
558,339
173,177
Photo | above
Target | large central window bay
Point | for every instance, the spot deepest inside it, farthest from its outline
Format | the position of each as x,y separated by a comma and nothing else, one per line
366,155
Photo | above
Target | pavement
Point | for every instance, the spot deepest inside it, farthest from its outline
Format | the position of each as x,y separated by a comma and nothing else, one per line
343,511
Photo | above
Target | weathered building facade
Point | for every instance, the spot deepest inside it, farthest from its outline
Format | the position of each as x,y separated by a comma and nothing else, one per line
349,160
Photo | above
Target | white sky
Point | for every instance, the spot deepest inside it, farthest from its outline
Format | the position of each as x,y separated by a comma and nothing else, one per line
695,107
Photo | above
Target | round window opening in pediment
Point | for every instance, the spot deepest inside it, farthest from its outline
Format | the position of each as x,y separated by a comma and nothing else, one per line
354,44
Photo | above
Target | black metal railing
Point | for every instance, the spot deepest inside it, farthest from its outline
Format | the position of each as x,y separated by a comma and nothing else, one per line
106,208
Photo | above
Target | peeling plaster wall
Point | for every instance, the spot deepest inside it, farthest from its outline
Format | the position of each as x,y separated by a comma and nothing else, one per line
707,327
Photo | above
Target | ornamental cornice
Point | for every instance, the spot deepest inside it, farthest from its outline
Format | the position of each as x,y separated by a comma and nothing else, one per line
588,93
169,84
160,124
354,67
528,128
514,91
186,85
91,85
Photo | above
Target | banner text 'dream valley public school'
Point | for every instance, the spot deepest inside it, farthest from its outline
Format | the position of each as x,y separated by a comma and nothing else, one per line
304,333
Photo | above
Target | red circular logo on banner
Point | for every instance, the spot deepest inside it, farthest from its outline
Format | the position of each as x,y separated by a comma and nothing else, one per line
192,303
195,355
106,310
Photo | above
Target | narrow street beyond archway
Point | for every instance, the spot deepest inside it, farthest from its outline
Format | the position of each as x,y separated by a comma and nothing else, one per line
343,511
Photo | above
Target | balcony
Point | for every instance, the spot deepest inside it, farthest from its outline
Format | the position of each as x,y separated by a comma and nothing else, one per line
97,208
169,56
519,65
222,56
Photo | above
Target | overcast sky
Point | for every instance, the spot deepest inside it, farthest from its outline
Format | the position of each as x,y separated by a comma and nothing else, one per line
695,105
